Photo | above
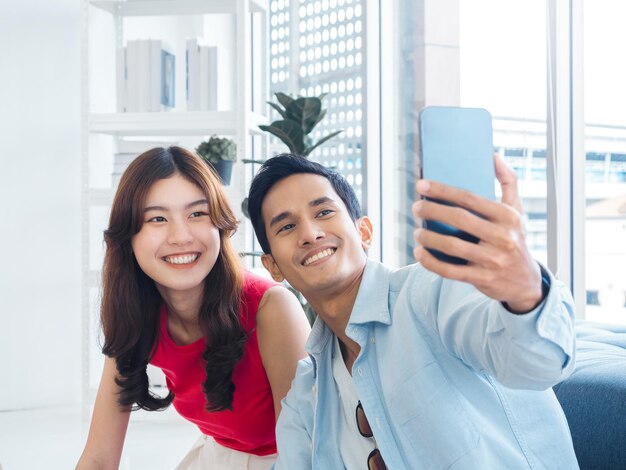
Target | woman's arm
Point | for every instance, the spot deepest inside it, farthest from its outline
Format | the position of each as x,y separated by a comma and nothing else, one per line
282,331
109,422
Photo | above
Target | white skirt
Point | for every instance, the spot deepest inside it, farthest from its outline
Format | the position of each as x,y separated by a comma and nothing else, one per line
206,454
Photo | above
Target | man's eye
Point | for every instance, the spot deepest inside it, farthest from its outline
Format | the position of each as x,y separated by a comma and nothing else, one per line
158,218
324,212
286,227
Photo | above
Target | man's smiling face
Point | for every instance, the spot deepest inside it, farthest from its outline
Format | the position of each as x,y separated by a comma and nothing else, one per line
314,243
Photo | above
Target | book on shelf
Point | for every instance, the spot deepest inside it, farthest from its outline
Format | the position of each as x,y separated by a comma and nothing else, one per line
146,78
127,151
140,146
121,79
193,77
131,67
202,76
155,76
168,67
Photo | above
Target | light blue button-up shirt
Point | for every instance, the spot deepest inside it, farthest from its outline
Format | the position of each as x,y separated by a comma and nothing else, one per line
448,378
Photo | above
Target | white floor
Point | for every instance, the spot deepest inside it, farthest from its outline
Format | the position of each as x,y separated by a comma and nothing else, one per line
53,439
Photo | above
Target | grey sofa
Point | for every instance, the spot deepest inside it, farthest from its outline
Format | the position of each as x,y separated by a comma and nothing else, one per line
594,397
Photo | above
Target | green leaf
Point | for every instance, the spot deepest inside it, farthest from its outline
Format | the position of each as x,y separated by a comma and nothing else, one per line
322,140
244,207
308,143
305,111
289,132
319,118
322,96
218,148
278,108
283,99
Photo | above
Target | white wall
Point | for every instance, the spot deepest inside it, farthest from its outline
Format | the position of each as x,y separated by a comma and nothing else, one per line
39,203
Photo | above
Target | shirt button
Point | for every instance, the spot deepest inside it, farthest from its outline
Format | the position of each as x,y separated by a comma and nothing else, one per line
360,371
372,339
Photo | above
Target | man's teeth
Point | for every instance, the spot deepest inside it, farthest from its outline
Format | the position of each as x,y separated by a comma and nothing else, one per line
320,255
186,259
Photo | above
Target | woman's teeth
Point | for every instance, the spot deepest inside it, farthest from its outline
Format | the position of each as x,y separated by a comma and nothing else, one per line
186,259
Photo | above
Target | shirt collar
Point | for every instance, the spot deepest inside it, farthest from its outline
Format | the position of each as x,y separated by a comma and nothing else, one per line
372,301
371,305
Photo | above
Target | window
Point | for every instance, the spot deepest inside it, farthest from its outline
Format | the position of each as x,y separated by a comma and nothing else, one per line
485,53
321,50
503,69
605,163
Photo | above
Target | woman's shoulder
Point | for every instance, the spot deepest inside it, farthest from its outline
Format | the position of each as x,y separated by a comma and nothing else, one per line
256,284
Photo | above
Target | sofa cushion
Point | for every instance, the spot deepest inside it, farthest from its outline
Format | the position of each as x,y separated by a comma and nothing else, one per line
594,396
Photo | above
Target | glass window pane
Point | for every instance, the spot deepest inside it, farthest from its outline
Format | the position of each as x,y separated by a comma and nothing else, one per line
326,54
605,163
503,69
484,53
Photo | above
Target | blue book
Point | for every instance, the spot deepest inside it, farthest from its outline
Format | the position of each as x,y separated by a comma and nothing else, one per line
167,78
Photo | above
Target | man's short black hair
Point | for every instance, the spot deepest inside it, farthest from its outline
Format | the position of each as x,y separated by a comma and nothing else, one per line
282,166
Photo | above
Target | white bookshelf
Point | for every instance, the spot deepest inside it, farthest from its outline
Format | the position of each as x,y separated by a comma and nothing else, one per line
106,26
173,123
173,7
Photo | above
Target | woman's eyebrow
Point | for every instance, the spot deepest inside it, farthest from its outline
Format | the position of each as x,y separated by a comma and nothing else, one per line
199,202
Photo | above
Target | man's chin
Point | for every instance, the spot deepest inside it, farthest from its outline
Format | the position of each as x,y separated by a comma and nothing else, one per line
313,287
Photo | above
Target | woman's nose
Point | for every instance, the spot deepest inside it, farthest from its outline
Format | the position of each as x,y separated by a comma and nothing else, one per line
179,234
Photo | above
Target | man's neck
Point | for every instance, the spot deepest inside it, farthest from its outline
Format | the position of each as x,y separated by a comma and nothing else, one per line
335,310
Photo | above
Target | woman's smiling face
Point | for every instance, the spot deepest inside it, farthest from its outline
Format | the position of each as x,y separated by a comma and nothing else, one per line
177,245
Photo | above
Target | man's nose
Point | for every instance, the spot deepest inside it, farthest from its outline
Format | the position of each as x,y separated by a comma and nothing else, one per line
310,232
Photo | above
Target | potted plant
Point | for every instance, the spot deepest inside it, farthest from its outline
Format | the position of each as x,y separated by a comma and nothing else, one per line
220,153
299,116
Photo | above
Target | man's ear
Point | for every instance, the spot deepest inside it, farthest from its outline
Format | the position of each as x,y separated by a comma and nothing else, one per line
272,267
366,229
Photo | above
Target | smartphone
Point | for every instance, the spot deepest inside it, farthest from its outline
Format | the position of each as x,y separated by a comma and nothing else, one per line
456,148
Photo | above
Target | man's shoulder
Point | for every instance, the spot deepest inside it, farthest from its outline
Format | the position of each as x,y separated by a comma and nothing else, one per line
408,275
305,373
301,394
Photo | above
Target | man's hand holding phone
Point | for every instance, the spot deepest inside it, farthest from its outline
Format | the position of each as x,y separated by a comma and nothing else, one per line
499,265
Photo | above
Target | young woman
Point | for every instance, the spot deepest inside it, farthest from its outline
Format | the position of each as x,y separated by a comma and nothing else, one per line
175,295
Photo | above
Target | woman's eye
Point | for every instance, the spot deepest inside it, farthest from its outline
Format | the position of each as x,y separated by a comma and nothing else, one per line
198,214
158,218
286,227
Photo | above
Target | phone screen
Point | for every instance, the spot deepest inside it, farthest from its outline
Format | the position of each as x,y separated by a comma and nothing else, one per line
456,147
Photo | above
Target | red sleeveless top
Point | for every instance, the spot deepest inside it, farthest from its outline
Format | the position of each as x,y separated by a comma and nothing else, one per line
250,426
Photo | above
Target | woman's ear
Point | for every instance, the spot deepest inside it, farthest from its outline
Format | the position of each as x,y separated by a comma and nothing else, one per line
366,229
272,267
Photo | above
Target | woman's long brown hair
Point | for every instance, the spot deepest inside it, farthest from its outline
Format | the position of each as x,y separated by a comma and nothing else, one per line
131,303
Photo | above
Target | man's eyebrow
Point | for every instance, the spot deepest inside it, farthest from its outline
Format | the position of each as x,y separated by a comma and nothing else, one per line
279,217
314,203
321,200
199,202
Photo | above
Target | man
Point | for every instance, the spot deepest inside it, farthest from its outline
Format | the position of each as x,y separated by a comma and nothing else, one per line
431,366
